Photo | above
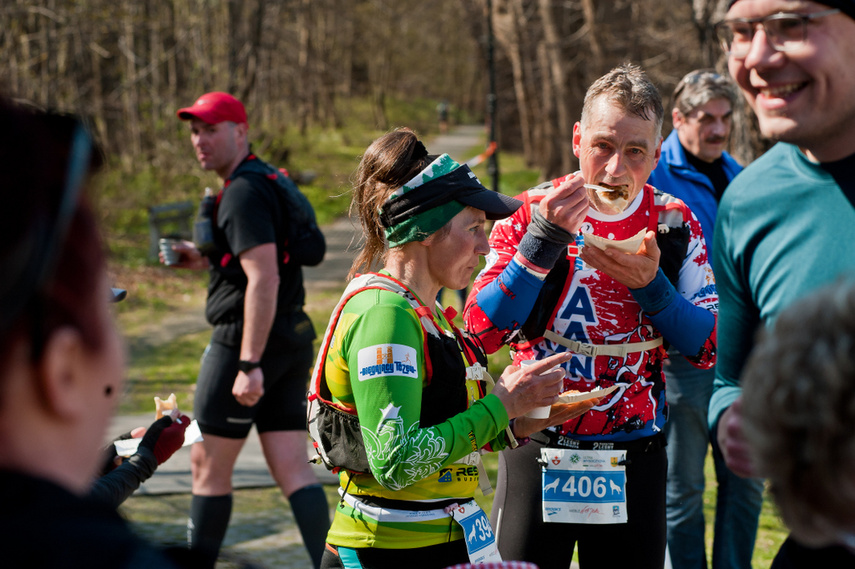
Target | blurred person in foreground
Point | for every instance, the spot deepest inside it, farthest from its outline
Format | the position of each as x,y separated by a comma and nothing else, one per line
61,357
786,224
401,402
557,282
695,168
799,421
255,369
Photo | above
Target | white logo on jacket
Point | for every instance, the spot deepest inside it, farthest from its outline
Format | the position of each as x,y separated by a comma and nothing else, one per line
383,360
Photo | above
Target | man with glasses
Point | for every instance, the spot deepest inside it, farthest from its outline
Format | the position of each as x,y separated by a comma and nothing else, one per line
786,224
695,168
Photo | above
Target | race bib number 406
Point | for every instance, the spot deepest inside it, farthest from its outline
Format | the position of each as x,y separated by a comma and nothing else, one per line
584,486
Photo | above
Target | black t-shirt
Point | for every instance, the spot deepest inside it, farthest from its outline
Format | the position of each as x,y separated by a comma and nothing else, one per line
842,171
713,170
251,212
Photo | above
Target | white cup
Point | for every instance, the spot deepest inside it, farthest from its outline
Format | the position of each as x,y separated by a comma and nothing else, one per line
537,412
170,256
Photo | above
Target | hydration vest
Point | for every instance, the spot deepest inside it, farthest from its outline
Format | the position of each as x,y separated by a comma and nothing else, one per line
304,243
335,428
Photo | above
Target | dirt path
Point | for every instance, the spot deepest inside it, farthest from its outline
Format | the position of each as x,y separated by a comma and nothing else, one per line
323,283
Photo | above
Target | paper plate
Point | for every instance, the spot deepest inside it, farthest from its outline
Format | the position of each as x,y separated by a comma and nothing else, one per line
626,245
584,396
127,447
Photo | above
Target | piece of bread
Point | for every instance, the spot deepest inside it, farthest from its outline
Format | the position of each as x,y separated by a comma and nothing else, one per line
169,405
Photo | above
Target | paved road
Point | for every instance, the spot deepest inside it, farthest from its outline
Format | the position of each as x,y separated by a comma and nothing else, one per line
172,477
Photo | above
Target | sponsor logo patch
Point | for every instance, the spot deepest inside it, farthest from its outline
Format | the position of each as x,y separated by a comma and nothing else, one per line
458,473
386,360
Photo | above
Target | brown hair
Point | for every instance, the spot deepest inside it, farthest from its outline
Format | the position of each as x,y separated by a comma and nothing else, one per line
51,276
387,165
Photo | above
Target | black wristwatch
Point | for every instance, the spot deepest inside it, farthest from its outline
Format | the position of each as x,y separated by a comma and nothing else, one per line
247,366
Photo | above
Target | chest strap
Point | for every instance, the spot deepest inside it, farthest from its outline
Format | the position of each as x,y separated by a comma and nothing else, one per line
594,350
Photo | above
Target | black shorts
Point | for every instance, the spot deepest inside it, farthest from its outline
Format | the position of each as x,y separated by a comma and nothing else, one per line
282,408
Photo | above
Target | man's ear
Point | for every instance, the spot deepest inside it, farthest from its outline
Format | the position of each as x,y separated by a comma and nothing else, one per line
676,117
242,130
577,138
65,385
657,154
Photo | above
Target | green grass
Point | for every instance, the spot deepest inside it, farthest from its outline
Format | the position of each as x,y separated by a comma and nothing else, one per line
163,369
770,535
125,190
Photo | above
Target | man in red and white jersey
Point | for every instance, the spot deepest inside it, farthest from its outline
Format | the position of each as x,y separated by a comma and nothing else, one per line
600,264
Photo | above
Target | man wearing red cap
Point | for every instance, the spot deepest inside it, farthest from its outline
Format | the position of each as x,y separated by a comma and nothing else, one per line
786,224
255,369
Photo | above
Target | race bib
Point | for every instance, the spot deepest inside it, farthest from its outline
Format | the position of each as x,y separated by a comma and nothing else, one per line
583,486
478,533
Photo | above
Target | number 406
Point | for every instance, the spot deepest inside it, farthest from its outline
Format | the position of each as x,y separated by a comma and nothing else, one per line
585,486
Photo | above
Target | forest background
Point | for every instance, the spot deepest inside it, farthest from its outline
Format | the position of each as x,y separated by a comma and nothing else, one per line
320,80
306,65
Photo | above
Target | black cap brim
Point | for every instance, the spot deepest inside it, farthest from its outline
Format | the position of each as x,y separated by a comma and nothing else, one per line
118,294
493,204
459,185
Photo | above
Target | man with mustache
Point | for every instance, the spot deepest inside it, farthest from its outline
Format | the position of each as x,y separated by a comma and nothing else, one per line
547,289
695,168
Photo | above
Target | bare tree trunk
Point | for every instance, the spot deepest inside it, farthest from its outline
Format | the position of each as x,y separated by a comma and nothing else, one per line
130,91
328,38
96,53
508,29
48,38
593,39
303,56
555,63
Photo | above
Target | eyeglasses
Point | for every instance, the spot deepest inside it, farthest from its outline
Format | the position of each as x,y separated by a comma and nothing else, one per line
784,32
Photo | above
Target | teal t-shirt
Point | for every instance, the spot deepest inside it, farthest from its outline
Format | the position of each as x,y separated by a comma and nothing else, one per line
784,228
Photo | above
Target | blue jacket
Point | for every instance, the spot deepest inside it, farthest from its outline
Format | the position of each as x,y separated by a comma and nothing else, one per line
676,176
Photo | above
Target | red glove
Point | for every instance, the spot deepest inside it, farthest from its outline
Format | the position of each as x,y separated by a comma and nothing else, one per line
165,436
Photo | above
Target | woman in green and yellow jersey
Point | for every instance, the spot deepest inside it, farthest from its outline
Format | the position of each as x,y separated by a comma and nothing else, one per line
401,400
